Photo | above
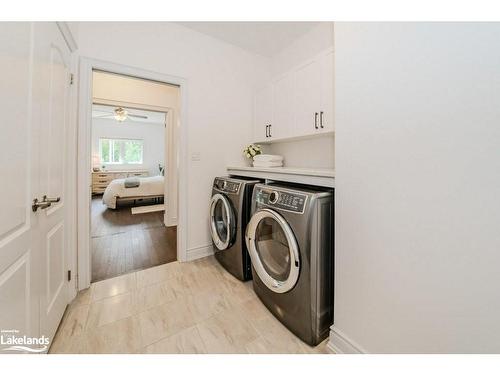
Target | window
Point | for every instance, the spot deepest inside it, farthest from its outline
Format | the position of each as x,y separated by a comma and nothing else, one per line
121,151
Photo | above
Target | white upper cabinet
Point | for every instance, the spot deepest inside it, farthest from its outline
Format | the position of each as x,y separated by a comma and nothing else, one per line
283,100
326,93
298,103
263,118
307,98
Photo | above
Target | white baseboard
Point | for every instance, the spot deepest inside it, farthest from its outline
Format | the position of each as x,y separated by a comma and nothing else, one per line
199,252
339,343
169,221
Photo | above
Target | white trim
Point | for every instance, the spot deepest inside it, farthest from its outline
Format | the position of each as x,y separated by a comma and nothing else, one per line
199,252
339,343
68,36
71,173
141,106
330,348
87,65
171,156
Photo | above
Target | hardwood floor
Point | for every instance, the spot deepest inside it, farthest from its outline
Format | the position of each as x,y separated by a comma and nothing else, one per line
123,243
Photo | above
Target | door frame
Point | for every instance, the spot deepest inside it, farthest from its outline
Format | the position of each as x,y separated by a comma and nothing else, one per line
87,65
71,180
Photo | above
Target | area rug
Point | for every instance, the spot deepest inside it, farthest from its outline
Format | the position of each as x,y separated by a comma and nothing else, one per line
149,208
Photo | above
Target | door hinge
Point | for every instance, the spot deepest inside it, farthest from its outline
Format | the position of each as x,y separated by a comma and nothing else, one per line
69,275
71,78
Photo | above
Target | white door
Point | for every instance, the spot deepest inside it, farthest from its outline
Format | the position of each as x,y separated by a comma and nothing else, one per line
51,93
33,95
19,248
326,93
307,98
263,114
283,125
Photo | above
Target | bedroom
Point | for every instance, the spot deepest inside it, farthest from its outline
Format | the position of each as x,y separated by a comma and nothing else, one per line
130,147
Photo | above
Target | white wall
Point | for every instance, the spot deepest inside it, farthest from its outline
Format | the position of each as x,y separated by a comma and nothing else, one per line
319,151
153,136
418,186
316,40
221,79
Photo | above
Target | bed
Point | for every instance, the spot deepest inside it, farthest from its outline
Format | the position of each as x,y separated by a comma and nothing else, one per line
149,188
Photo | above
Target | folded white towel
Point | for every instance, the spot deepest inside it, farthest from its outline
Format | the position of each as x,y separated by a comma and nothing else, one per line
267,164
267,157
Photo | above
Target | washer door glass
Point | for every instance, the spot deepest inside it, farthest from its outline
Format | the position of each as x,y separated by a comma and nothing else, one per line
273,250
221,221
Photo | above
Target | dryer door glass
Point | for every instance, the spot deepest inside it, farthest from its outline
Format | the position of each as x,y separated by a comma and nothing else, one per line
221,221
273,250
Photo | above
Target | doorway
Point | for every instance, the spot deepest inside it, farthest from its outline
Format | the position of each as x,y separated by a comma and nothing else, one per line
127,226
121,232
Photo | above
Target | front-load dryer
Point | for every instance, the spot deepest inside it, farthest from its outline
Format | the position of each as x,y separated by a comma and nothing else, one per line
229,215
290,242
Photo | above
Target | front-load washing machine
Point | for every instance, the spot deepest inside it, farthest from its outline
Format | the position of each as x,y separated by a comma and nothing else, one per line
229,215
290,242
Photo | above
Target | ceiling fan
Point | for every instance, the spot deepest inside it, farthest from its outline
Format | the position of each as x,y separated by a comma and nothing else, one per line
120,114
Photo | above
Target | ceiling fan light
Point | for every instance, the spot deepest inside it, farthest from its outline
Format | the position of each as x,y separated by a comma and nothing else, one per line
120,114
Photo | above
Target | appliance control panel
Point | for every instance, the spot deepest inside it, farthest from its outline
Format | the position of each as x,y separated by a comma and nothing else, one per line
294,202
227,186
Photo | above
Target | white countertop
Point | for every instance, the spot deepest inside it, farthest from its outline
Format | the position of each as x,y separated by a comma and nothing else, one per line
310,176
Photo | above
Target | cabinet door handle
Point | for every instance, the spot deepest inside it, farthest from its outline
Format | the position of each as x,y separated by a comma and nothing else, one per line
321,119
270,135
315,120
267,131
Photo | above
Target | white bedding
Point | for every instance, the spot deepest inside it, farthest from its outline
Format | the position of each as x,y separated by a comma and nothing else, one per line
148,186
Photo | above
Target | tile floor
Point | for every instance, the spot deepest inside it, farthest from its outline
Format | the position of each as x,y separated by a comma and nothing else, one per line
194,307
